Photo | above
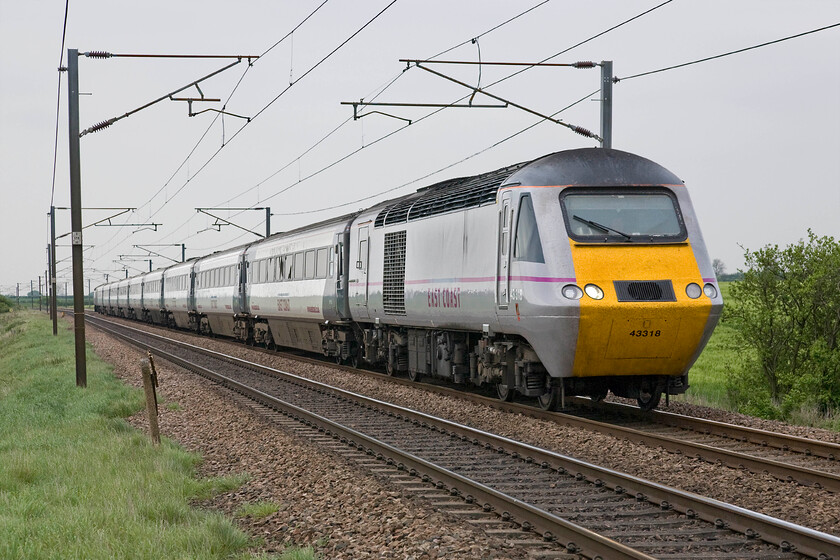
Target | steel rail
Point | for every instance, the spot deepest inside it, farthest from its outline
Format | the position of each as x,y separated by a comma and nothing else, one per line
785,442
577,538
734,459
787,536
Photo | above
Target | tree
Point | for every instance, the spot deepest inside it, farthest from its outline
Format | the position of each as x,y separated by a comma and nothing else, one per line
719,268
786,310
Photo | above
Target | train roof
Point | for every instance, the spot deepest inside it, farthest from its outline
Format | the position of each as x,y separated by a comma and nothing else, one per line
596,167
582,167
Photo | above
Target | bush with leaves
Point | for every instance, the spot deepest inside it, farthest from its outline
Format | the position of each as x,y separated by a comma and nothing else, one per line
786,310
6,304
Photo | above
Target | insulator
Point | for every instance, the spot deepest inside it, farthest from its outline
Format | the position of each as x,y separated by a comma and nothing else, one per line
99,126
582,131
98,54
584,64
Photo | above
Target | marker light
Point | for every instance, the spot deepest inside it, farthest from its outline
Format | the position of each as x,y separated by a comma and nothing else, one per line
710,290
693,291
570,291
594,291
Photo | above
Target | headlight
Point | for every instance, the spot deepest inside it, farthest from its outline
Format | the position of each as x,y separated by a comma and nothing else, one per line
570,291
594,291
710,290
693,291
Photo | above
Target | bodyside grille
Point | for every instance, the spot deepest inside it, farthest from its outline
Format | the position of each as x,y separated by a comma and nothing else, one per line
644,290
393,288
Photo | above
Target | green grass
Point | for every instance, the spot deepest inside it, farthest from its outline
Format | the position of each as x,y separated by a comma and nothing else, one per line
257,510
77,481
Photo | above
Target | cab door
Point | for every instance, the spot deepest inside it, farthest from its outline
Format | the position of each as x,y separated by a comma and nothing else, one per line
503,252
358,282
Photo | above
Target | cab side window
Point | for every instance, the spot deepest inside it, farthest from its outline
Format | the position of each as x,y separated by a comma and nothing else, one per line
527,245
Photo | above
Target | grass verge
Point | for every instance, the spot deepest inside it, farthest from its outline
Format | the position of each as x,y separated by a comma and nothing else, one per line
77,481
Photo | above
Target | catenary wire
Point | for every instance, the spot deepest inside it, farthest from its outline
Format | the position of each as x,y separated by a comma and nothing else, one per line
444,168
745,49
270,103
392,133
379,91
435,112
376,93
58,100
215,119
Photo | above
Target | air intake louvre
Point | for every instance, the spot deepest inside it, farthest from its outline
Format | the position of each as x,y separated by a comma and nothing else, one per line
645,290
447,196
393,288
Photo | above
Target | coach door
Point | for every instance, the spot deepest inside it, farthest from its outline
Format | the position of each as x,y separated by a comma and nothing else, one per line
503,252
358,285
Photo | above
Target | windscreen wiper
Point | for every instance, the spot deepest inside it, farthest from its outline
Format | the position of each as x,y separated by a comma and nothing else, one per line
602,227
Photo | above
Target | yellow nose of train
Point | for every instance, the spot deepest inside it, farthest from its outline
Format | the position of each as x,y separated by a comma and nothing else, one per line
637,317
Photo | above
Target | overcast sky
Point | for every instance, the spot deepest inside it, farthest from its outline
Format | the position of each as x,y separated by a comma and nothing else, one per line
755,136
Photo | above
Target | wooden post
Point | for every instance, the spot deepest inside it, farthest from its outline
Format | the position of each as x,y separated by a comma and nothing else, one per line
149,382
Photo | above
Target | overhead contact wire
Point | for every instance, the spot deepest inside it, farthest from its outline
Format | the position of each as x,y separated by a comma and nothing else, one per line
58,100
745,49
215,118
436,111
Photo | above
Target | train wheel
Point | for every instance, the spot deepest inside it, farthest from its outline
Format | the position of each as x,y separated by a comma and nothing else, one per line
648,398
550,399
338,360
414,375
504,392
391,369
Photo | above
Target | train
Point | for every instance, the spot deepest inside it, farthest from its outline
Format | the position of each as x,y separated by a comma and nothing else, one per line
577,273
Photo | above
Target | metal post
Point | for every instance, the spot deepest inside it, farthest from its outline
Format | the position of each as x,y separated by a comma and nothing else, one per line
183,252
606,103
76,215
267,222
39,293
53,286
31,296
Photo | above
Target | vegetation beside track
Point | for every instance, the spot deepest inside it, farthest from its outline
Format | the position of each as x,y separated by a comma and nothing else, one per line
77,481
776,352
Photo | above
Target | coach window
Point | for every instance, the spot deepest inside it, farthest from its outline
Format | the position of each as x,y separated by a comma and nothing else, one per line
298,266
281,268
310,264
321,263
527,245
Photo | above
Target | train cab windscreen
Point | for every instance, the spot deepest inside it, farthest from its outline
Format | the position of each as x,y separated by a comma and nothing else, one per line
622,215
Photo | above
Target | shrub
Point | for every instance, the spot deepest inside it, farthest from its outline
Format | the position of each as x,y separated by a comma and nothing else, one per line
786,310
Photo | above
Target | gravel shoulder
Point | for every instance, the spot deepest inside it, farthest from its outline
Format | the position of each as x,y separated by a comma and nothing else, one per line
325,501
312,515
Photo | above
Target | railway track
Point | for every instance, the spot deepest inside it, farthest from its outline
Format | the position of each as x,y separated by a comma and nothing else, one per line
591,511
789,458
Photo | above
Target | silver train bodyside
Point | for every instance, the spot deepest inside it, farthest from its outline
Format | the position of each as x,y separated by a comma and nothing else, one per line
497,279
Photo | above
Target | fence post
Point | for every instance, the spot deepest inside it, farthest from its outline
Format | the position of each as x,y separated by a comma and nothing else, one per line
149,382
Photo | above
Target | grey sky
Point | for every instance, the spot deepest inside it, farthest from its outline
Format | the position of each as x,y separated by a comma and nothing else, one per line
754,136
